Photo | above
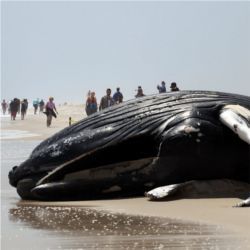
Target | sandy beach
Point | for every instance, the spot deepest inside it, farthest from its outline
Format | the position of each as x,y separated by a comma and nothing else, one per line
215,211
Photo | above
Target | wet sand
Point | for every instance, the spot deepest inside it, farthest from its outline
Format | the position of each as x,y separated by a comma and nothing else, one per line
86,228
218,213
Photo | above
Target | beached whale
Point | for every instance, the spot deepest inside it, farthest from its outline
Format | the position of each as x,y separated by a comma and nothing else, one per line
139,145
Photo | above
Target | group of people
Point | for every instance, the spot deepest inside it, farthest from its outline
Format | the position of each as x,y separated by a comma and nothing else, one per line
38,104
109,100
17,106
14,107
162,87
106,101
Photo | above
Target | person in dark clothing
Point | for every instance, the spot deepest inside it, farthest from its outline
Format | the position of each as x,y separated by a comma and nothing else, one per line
118,97
41,106
24,107
106,100
139,92
174,87
14,107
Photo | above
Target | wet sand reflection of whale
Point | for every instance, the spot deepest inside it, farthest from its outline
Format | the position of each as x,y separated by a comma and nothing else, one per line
140,145
78,228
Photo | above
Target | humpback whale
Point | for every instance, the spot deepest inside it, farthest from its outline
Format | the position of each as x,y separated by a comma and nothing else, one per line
140,145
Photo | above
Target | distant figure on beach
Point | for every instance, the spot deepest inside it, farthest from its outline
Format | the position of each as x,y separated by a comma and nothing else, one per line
4,105
139,92
162,88
118,96
50,110
174,87
41,106
106,100
14,107
35,105
24,107
19,105
9,106
91,104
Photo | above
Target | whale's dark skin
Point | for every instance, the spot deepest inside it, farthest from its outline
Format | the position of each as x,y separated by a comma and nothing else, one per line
135,146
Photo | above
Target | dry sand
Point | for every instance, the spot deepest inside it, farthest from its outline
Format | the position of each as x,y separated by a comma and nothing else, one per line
213,211
36,124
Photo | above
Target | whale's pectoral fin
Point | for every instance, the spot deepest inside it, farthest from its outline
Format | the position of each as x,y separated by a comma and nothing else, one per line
164,191
244,203
202,189
237,118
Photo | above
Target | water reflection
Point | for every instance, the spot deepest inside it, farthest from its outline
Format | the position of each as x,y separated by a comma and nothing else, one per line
74,228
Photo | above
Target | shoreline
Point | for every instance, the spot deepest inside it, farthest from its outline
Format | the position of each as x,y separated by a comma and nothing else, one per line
216,211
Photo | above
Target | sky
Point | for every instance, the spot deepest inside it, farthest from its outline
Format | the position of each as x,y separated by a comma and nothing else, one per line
63,49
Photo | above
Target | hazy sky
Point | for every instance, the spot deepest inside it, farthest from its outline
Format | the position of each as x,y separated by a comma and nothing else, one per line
63,49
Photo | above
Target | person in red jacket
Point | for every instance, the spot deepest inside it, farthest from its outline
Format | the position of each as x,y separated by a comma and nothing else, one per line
91,104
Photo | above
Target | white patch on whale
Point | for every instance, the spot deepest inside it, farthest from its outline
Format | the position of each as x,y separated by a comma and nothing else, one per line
244,203
190,129
161,192
54,150
202,188
232,117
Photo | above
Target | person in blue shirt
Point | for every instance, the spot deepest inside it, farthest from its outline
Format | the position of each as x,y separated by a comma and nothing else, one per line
162,88
35,105
118,97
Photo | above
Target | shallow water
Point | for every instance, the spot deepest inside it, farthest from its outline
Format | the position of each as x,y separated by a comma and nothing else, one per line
53,227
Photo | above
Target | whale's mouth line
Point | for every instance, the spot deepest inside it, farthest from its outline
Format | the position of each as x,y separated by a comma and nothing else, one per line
103,179
133,153
112,171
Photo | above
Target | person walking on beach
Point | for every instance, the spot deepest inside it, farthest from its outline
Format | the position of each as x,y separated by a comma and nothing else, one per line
24,107
118,96
4,105
162,88
14,107
106,100
174,87
91,104
50,110
139,92
41,106
35,105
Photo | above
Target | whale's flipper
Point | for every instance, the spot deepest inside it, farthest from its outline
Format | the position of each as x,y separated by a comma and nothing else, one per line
163,192
202,189
244,203
237,118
